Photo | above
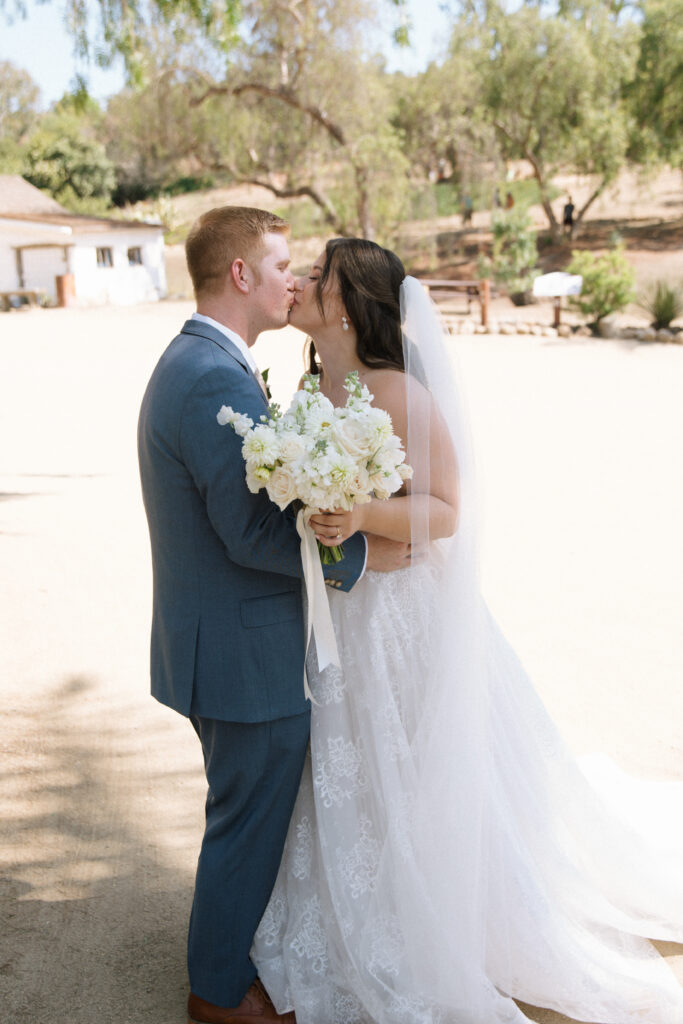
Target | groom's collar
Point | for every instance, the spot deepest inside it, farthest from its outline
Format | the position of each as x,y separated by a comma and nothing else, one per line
231,335
205,327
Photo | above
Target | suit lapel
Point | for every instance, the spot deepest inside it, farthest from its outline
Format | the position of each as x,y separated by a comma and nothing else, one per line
202,330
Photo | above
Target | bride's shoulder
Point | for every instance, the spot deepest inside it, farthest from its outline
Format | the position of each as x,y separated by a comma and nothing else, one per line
385,380
390,389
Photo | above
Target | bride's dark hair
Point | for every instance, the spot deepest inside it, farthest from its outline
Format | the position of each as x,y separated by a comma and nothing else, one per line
369,281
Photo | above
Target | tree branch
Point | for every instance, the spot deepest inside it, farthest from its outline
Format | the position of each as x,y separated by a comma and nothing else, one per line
329,212
282,93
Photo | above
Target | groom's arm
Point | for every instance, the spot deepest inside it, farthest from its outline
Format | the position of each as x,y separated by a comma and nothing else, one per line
254,531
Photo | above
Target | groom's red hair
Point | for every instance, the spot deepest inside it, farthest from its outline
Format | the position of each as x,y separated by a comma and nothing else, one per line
223,235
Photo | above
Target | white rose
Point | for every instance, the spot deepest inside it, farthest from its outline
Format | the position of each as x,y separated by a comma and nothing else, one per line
281,487
353,437
292,446
361,481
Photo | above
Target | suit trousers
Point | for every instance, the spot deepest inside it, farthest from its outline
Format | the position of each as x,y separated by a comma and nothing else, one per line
253,772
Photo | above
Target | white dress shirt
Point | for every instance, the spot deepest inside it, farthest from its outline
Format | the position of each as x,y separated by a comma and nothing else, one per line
231,336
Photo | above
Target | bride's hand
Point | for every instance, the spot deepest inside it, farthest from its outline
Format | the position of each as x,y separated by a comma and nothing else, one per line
333,528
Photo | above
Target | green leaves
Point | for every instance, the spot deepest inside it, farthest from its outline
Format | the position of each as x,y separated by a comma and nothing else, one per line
608,282
514,251
64,156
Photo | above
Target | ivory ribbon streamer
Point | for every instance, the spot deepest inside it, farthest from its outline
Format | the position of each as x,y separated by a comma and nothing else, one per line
319,618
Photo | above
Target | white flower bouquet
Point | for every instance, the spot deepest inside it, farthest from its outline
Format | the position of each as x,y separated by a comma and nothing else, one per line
325,457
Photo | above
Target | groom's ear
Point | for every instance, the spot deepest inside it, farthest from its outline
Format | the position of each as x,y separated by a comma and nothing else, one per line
239,274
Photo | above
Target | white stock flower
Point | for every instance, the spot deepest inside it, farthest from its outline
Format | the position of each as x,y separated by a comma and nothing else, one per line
240,422
361,482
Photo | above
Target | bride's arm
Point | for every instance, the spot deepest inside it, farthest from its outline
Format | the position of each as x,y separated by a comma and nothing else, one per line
392,518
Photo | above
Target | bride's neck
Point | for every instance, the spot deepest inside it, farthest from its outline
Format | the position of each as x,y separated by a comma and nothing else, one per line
338,358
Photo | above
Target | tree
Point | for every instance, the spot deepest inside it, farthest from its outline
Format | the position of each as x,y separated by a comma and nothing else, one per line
122,28
552,85
64,157
443,131
301,110
654,93
18,113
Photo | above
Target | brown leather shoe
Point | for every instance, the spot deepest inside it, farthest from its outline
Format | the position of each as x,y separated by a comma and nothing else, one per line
255,1008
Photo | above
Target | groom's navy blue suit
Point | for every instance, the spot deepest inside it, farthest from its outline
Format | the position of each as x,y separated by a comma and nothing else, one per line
227,638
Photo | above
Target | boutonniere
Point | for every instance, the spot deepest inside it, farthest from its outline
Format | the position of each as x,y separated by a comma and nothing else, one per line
264,374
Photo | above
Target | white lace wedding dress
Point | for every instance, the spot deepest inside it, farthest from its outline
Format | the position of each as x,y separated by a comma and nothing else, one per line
447,855
373,919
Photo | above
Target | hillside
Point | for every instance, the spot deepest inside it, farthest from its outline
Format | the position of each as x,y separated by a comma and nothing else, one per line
646,212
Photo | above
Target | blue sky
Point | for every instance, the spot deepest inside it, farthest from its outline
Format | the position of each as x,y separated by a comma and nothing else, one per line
41,45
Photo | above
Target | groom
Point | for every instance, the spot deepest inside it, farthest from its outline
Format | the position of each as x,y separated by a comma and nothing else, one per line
227,645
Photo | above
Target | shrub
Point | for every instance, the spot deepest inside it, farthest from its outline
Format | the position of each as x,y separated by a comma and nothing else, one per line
663,302
607,282
514,252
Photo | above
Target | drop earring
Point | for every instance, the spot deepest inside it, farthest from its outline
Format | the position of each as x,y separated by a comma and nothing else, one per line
345,324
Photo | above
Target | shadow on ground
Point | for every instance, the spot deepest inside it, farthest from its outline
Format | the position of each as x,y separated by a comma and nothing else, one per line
94,916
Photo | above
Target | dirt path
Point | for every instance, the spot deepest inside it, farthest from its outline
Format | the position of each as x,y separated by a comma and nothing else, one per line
580,446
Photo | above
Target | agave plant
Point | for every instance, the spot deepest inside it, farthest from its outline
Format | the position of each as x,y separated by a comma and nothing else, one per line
663,302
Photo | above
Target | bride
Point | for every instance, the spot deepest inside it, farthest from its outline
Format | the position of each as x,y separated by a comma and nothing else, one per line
446,855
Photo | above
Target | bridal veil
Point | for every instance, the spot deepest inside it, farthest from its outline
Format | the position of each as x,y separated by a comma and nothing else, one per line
540,885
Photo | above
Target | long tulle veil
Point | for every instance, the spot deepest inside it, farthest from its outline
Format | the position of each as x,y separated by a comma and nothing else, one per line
536,886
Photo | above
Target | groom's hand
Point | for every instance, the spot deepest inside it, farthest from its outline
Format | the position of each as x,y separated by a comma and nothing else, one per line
386,555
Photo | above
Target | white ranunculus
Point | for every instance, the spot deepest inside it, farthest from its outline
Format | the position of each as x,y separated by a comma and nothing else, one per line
281,487
257,477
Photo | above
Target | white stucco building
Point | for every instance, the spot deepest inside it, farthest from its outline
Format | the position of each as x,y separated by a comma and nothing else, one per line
98,260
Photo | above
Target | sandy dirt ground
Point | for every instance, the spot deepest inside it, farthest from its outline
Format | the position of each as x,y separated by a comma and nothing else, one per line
580,448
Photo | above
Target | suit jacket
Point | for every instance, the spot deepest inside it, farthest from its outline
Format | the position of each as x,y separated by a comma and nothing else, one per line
227,624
